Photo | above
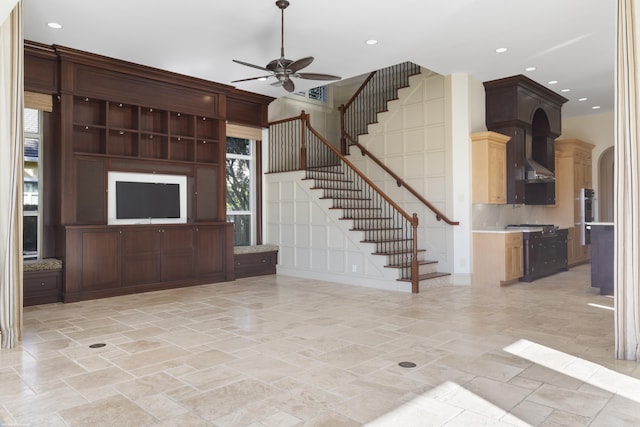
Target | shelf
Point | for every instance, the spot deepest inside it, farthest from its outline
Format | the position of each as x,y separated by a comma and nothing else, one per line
207,128
122,142
89,139
89,111
181,149
206,151
181,125
123,116
153,146
154,120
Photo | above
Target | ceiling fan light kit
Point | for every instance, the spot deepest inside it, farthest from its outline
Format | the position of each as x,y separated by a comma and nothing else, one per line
284,69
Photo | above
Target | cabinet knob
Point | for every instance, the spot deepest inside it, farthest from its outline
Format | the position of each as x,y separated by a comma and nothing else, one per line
41,283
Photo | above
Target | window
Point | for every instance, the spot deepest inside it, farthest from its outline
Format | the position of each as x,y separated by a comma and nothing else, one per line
316,95
32,185
241,189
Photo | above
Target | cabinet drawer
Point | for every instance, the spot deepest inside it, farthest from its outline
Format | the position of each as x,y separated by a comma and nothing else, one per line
41,287
255,264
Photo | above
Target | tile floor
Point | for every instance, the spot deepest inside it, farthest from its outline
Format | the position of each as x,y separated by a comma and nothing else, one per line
279,351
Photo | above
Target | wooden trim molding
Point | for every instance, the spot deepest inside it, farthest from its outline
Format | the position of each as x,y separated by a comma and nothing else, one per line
246,132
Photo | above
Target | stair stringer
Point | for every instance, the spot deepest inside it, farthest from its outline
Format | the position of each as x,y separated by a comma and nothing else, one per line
313,241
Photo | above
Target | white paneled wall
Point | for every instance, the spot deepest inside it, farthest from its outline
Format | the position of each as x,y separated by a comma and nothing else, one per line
410,138
313,241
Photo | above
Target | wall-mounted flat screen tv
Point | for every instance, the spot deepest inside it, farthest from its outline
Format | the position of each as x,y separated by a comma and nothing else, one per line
140,198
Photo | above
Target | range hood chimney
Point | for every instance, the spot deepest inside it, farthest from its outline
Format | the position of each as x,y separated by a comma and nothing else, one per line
538,173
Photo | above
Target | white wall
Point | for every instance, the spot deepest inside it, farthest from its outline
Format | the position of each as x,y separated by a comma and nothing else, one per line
6,6
314,243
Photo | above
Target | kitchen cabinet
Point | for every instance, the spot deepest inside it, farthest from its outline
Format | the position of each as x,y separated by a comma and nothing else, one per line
602,265
543,253
530,114
489,163
573,172
497,258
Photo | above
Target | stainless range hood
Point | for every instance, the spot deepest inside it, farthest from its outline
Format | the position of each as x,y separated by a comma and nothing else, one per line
538,173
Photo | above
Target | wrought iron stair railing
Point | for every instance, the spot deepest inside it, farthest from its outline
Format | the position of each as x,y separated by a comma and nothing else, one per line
295,145
362,109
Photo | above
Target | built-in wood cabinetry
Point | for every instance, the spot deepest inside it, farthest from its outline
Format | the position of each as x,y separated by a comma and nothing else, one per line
489,167
497,258
573,172
135,258
115,116
530,114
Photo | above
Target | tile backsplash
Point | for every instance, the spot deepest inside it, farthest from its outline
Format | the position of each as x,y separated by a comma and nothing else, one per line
490,216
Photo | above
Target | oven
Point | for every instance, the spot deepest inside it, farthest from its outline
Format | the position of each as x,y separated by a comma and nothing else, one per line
587,197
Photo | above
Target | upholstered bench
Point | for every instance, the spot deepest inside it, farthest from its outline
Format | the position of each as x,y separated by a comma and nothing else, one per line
42,281
255,260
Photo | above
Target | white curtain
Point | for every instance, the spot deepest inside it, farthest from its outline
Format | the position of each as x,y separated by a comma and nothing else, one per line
11,166
627,186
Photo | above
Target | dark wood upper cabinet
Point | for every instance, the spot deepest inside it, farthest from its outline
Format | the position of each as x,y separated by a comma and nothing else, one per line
532,115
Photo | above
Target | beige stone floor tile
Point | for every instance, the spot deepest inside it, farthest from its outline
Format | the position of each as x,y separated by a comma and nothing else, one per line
225,400
276,350
151,385
109,412
573,401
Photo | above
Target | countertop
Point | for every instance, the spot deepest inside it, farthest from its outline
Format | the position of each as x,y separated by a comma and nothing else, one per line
503,230
599,223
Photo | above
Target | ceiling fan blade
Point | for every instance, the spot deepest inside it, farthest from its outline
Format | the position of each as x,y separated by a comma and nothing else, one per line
250,65
288,85
300,63
251,78
316,76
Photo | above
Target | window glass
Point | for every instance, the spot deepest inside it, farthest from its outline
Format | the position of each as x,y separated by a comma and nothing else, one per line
31,186
240,193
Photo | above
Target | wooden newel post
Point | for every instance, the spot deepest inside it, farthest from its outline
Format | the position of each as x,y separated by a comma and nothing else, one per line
303,140
415,288
343,140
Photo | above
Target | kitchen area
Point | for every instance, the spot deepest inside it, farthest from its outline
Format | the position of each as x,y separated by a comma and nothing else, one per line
533,203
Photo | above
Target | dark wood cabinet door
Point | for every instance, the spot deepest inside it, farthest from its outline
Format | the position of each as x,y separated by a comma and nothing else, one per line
207,193
210,250
101,255
178,253
90,188
141,256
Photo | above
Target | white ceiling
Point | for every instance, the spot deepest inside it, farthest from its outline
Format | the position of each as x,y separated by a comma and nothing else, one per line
571,41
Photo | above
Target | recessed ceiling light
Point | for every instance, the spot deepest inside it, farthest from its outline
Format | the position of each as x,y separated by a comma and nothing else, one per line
595,107
565,90
553,82
371,42
501,50
582,99
54,25
530,69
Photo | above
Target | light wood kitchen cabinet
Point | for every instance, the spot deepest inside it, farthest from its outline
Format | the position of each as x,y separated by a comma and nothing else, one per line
489,163
576,252
573,172
497,258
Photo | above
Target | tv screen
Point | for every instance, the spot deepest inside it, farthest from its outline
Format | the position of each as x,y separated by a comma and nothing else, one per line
147,200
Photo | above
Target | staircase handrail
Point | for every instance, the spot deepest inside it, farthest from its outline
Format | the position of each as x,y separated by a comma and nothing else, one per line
401,183
306,122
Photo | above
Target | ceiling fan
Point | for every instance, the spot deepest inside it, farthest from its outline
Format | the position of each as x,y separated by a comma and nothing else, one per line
283,69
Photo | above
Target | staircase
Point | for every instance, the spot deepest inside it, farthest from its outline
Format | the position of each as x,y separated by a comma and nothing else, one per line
383,225
377,226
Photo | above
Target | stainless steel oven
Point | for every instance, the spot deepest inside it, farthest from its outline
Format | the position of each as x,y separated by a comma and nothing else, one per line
587,197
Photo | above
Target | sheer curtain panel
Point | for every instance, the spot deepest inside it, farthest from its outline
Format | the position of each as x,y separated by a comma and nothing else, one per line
627,185
11,164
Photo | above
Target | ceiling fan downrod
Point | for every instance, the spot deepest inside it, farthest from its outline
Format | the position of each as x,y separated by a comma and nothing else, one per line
282,4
